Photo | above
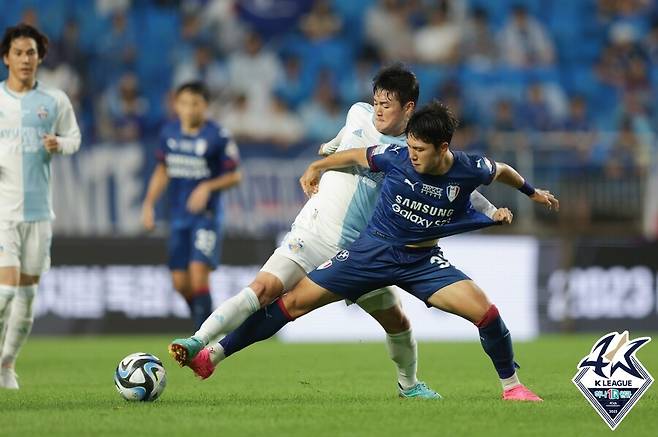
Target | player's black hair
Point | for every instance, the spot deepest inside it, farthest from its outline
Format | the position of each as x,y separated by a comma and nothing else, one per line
194,87
398,80
433,123
23,30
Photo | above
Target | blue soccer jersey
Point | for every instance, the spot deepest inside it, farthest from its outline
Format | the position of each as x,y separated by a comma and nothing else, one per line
415,207
192,159
412,208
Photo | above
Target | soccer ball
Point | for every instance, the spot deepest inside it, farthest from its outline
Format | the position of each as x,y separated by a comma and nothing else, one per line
140,377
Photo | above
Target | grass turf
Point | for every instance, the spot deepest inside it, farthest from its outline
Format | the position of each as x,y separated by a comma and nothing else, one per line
311,390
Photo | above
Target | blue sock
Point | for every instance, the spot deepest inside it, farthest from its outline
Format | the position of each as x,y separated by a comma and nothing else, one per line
497,342
261,325
200,307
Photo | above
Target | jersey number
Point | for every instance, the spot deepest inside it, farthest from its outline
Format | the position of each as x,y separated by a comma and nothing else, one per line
440,261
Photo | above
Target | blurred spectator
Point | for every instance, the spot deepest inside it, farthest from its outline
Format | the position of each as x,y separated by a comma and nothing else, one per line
321,22
220,20
478,45
356,84
122,111
254,71
293,86
116,49
524,42
535,111
627,155
205,67
277,125
438,40
650,43
111,7
323,116
387,28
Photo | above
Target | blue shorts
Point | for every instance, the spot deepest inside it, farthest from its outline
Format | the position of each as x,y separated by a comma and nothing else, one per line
199,240
370,264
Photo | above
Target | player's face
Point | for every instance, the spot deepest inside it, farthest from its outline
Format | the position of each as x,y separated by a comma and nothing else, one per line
191,108
22,59
425,157
390,116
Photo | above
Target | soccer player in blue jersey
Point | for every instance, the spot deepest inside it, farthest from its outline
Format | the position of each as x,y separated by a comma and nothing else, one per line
424,196
36,122
197,160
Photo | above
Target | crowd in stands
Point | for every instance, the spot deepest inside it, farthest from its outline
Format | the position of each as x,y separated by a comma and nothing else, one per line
578,76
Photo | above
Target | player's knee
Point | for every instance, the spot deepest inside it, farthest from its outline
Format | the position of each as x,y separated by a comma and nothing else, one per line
266,291
393,320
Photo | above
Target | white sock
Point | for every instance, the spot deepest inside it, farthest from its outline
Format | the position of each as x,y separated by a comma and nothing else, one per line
510,382
19,324
403,350
216,353
7,293
229,315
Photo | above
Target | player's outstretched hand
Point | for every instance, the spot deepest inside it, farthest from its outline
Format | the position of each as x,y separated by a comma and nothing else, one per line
50,143
503,215
198,199
310,180
148,217
546,198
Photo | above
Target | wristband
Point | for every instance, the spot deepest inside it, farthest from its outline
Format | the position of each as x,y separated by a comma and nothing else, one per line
527,189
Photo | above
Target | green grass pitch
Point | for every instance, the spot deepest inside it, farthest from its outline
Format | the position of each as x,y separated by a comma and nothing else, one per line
276,389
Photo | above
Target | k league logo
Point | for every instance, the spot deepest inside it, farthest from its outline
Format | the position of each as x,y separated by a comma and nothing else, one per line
611,377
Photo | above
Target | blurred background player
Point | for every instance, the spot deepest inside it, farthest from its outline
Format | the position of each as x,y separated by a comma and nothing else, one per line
329,222
197,160
35,123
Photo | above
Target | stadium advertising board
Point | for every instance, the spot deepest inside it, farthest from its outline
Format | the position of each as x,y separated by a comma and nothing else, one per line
605,286
139,298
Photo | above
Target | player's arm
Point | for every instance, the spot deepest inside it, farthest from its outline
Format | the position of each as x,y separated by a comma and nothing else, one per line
198,199
509,176
66,137
331,146
482,205
347,158
157,186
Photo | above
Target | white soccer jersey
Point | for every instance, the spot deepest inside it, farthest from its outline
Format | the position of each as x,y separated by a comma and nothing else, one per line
345,200
25,193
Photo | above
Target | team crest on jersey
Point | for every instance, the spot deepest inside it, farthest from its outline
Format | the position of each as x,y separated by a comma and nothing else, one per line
358,133
295,244
343,255
452,191
611,377
325,265
200,147
42,112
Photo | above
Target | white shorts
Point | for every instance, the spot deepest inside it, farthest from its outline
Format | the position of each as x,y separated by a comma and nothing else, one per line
307,251
26,245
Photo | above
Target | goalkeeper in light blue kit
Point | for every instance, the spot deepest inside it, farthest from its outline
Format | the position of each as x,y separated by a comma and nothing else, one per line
424,196
197,160
36,122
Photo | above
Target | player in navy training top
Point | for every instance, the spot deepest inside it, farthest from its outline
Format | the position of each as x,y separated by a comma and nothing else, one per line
425,195
197,160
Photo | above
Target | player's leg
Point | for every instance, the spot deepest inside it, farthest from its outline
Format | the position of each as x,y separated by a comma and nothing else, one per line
199,274
277,274
179,252
9,279
35,238
464,298
384,306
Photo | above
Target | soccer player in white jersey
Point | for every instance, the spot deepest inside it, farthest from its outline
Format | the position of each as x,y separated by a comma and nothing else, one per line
329,222
36,122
